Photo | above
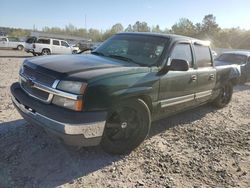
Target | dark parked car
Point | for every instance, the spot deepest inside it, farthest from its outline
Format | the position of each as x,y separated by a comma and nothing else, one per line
112,95
240,58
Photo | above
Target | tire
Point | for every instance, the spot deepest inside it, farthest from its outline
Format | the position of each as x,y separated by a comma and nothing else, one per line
243,80
19,47
46,52
127,125
74,52
225,96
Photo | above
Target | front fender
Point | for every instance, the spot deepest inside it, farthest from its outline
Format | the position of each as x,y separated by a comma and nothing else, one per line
107,92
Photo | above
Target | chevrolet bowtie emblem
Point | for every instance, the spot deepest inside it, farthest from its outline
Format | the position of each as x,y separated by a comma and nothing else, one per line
30,82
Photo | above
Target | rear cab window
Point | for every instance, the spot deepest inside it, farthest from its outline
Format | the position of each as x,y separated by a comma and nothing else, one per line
203,56
31,40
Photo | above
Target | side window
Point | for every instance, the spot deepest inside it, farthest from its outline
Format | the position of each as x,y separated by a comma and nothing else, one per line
56,42
31,40
182,51
3,40
203,56
63,43
43,41
13,39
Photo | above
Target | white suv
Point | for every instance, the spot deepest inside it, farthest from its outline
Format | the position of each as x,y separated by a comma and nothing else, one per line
47,46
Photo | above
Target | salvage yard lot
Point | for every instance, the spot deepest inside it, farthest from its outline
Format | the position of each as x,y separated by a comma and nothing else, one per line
204,147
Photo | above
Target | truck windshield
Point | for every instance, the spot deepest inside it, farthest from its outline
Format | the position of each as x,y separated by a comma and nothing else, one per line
232,58
140,49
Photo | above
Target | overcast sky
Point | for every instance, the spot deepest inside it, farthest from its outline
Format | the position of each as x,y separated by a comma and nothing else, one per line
102,14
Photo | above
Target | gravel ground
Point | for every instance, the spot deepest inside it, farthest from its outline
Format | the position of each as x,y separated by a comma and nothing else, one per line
204,147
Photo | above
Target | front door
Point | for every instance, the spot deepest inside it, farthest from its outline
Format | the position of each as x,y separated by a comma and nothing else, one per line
65,48
177,88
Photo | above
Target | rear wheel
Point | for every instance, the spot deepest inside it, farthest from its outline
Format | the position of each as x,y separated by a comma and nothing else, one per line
127,126
20,47
225,96
46,52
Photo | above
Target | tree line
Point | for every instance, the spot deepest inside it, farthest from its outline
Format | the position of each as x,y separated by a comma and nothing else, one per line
207,29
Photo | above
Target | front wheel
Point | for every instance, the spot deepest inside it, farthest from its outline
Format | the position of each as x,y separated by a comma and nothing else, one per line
127,126
225,95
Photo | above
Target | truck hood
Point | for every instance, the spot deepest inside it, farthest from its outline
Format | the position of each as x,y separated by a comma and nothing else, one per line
82,67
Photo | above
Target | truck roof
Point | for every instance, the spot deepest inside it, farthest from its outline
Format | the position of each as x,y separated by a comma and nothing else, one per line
169,36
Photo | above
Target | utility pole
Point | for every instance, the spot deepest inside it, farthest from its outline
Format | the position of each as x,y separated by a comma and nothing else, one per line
86,26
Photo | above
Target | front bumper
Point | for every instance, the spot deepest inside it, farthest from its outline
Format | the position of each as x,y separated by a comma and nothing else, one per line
74,128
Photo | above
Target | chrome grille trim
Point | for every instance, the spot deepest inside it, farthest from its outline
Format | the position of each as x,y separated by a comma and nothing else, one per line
51,90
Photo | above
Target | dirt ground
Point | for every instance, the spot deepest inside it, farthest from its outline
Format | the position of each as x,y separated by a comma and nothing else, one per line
204,147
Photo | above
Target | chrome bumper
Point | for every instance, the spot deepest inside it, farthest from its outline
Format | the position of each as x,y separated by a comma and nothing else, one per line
86,134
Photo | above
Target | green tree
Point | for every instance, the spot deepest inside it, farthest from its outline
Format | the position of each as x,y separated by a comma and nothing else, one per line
156,29
209,26
184,27
129,28
117,28
141,27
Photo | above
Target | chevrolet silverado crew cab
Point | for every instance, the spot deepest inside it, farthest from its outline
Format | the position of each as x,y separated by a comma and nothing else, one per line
111,96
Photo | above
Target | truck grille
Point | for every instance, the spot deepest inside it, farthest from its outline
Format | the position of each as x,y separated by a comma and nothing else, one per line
34,91
40,77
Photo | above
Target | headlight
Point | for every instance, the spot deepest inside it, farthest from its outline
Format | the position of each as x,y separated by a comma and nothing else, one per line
72,86
76,105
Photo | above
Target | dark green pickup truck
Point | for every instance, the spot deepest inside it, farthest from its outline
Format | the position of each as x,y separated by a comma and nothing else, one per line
111,96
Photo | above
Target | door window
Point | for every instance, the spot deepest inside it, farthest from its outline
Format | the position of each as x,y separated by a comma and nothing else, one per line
13,39
3,40
182,51
203,56
56,42
63,43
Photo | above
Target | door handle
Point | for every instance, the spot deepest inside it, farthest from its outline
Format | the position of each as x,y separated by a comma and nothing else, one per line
193,77
211,76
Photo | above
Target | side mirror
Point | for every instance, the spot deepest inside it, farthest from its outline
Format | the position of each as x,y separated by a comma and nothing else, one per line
179,65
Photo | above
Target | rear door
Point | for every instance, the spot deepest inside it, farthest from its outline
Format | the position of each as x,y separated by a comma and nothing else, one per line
206,73
177,88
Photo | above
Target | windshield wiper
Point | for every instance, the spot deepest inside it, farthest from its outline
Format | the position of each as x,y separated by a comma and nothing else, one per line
124,59
98,53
